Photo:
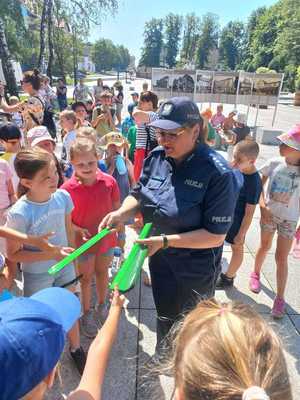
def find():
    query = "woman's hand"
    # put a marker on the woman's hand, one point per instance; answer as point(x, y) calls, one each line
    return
point(112, 220)
point(153, 243)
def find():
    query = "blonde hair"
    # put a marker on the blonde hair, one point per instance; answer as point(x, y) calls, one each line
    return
point(222, 350)
point(82, 145)
point(87, 132)
point(69, 114)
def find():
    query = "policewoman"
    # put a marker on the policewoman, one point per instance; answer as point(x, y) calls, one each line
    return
point(188, 192)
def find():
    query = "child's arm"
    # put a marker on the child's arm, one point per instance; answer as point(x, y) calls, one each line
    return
point(11, 192)
point(90, 386)
point(41, 242)
point(264, 210)
point(130, 170)
point(70, 230)
point(246, 222)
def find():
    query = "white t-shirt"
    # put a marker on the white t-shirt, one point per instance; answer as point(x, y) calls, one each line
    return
point(283, 191)
point(69, 139)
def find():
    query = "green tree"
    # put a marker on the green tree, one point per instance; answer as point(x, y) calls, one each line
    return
point(104, 54)
point(232, 44)
point(190, 38)
point(153, 43)
point(173, 26)
point(208, 38)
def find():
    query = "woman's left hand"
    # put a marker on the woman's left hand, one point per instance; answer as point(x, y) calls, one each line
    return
point(153, 243)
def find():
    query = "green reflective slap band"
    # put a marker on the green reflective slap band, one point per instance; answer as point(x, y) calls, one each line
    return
point(130, 270)
point(76, 253)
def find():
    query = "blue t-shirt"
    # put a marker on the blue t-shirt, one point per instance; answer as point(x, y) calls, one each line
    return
point(40, 218)
point(249, 194)
point(201, 192)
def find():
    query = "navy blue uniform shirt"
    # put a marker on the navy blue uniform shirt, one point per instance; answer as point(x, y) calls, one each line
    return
point(200, 192)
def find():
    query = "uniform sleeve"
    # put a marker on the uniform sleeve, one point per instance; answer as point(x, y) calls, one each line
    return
point(69, 205)
point(219, 202)
point(142, 180)
point(253, 191)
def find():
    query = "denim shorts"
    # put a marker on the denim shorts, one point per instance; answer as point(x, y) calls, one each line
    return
point(35, 282)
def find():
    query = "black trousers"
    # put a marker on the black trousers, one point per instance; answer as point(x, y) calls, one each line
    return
point(179, 281)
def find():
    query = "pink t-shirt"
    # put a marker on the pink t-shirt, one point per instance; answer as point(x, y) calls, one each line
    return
point(217, 119)
point(5, 175)
point(91, 205)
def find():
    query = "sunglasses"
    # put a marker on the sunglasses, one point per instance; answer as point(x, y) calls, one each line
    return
point(167, 135)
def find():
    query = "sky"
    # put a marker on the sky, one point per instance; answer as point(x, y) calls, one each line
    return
point(127, 26)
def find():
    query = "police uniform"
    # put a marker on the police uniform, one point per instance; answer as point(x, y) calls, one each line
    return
point(199, 193)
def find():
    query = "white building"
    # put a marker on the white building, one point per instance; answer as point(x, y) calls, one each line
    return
point(85, 63)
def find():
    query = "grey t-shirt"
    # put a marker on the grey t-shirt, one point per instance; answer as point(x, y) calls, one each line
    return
point(40, 218)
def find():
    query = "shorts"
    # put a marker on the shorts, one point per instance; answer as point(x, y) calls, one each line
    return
point(284, 228)
point(85, 257)
point(35, 282)
point(234, 229)
point(119, 108)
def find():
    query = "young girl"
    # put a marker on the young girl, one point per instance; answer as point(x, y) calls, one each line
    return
point(94, 195)
point(41, 209)
point(68, 121)
point(228, 352)
point(113, 144)
point(280, 211)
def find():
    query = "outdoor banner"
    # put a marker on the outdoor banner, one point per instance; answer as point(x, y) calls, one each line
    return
point(204, 84)
point(183, 83)
point(227, 87)
point(161, 82)
point(224, 88)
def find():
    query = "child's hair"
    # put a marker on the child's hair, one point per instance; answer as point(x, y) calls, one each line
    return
point(9, 131)
point(223, 350)
point(86, 132)
point(78, 104)
point(13, 100)
point(82, 145)
point(150, 96)
point(34, 78)
point(248, 148)
point(69, 114)
point(28, 163)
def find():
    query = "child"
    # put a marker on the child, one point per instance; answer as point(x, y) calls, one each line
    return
point(228, 352)
point(22, 319)
point(10, 139)
point(68, 121)
point(128, 121)
point(41, 209)
point(113, 144)
point(39, 136)
point(102, 119)
point(280, 212)
point(80, 110)
point(16, 117)
point(244, 157)
point(94, 195)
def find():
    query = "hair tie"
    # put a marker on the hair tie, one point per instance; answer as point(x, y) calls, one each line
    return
point(255, 393)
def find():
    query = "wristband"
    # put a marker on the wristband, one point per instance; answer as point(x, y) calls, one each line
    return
point(165, 241)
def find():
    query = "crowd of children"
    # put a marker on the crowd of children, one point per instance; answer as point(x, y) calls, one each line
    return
point(51, 205)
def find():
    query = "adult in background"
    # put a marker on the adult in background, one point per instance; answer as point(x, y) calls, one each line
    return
point(144, 114)
point(32, 109)
point(61, 93)
point(218, 118)
point(188, 191)
point(119, 103)
point(229, 122)
point(48, 96)
point(98, 89)
point(82, 92)
point(135, 99)
point(240, 132)
point(211, 133)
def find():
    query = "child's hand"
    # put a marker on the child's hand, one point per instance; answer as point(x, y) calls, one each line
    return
point(41, 242)
point(116, 299)
point(61, 252)
point(84, 233)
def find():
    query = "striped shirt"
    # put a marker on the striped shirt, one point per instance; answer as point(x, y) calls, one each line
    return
point(141, 134)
